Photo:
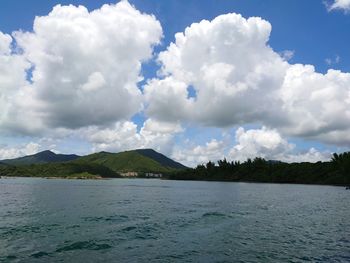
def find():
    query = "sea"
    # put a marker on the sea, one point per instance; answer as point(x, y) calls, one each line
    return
point(152, 220)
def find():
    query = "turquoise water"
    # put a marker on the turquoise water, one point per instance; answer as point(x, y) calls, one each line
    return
point(137, 220)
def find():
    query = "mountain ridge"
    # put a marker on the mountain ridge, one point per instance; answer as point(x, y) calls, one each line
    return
point(140, 160)
point(42, 157)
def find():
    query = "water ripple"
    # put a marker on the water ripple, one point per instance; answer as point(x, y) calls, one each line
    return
point(80, 245)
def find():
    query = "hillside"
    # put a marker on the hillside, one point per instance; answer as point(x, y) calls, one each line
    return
point(160, 158)
point(334, 172)
point(136, 161)
point(64, 170)
point(103, 164)
point(40, 158)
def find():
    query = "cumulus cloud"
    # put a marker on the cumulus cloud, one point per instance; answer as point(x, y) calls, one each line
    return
point(265, 143)
point(12, 76)
point(339, 5)
point(7, 152)
point(270, 145)
point(125, 136)
point(191, 156)
point(316, 104)
point(228, 63)
point(238, 79)
point(85, 66)
point(287, 54)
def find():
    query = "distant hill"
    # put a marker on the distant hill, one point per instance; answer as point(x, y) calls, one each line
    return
point(103, 164)
point(41, 158)
point(146, 160)
point(64, 170)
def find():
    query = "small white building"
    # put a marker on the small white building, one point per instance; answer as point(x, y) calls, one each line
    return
point(129, 174)
point(153, 175)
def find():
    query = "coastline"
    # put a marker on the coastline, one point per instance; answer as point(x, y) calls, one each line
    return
point(167, 179)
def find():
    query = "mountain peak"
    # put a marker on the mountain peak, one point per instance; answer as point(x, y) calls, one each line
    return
point(46, 156)
point(44, 153)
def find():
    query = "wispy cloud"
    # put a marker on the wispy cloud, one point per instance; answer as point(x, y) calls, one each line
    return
point(343, 5)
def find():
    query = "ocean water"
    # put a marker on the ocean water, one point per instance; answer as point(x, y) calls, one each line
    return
point(135, 220)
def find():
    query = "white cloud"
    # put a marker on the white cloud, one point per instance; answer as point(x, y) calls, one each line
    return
point(86, 66)
point(18, 151)
point(228, 63)
point(316, 105)
point(262, 143)
point(239, 79)
point(339, 5)
point(330, 61)
point(191, 156)
point(12, 76)
point(270, 145)
point(125, 136)
point(287, 54)
point(5, 44)
point(265, 143)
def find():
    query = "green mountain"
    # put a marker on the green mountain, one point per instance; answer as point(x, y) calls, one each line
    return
point(64, 170)
point(145, 160)
point(160, 158)
point(102, 164)
point(40, 158)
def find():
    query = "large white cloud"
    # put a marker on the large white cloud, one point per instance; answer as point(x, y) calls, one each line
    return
point(270, 145)
point(340, 5)
point(265, 143)
point(316, 105)
point(85, 66)
point(198, 154)
point(9, 152)
point(228, 63)
point(238, 79)
point(125, 136)
point(12, 76)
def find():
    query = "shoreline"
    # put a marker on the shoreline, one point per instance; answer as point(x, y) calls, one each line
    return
point(165, 179)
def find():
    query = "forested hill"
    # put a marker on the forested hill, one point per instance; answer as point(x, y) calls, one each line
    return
point(335, 172)
point(40, 158)
point(145, 160)
point(102, 164)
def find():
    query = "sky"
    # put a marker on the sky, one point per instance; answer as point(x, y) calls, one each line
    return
point(195, 80)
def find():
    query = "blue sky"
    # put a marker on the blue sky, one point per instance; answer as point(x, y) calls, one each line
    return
point(303, 26)
point(311, 32)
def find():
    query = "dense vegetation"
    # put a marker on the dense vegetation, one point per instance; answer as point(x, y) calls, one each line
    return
point(103, 164)
point(129, 161)
point(41, 157)
point(64, 170)
point(335, 172)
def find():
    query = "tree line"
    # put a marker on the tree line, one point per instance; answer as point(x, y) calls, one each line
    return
point(334, 172)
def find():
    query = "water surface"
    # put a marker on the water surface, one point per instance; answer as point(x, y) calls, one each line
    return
point(135, 220)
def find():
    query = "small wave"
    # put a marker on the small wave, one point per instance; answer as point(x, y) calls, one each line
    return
point(10, 257)
point(140, 232)
point(128, 229)
point(80, 245)
point(13, 231)
point(39, 254)
point(148, 186)
point(113, 218)
point(73, 226)
point(213, 214)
